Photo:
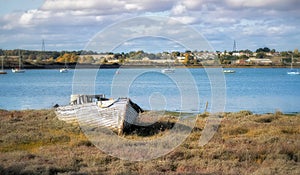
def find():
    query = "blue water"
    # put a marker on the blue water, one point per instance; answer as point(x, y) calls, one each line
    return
point(258, 90)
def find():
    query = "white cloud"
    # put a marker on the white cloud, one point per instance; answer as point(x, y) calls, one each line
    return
point(179, 9)
point(185, 19)
point(193, 4)
point(268, 4)
point(133, 7)
point(107, 6)
point(78, 20)
point(252, 3)
point(26, 18)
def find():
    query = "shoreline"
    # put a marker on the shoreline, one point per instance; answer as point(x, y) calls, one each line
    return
point(116, 65)
point(174, 112)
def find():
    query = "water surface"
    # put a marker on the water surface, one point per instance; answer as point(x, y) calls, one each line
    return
point(260, 90)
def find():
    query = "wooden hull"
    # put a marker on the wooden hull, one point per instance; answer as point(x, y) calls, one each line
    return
point(117, 117)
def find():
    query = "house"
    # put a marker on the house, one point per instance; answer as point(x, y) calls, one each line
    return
point(265, 61)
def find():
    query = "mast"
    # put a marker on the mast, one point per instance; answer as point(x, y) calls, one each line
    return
point(19, 60)
point(43, 49)
point(292, 61)
point(2, 64)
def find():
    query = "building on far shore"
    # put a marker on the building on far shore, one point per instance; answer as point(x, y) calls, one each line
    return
point(264, 61)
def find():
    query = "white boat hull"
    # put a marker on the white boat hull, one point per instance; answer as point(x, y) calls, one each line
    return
point(168, 71)
point(229, 71)
point(18, 70)
point(293, 73)
point(117, 116)
point(64, 70)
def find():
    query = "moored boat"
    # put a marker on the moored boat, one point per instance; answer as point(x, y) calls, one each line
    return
point(18, 69)
point(292, 71)
point(168, 70)
point(229, 71)
point(63, 70)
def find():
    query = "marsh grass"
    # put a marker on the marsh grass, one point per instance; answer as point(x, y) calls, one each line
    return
point(36, 142)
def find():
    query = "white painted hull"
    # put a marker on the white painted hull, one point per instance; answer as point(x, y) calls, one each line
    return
point(168, 71)
point(18, 70)
point(229, 71)
point(293, 73)
point(64, 70)
point(117, 116)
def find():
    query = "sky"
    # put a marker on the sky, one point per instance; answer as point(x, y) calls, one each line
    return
point(75, 24)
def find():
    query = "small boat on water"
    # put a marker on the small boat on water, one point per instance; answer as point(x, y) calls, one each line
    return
point(18, 69)
point(293, 71)
point(168, 70)
point(229, 71)
point(65, 69)
point(115, 114)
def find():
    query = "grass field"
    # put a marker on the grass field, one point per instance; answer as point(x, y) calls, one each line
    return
point(36, 142)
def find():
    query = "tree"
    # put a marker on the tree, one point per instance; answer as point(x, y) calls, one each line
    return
point(296, 53)
point(68, 57)
point(273, 51)
point(175, 54)
point(265, 49)
point(104, 61)
point(89, 59)
point(284, 54)
point(187, 58)
point(260, 55)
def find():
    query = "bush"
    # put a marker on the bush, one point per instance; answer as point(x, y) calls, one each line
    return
point(266, 119)
point(238, 130)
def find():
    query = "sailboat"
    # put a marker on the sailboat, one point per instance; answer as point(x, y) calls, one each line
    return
point(229, 71)
point(168, 70)
point(18, 69)
point(65, 69)
point(2, 70)
point(292, 71)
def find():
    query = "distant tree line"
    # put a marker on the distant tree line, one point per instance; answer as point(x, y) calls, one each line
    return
point(48, 57)
point(53, 54)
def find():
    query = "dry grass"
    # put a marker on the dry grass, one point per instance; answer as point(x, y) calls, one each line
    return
point(35, 142)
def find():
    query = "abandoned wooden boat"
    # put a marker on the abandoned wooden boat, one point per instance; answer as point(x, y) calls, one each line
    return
point(97, 111)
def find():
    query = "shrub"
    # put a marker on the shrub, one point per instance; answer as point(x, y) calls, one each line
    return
point(238, 130)
point(266, 118)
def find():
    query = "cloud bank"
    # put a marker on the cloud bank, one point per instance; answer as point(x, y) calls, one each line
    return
point(69, 25)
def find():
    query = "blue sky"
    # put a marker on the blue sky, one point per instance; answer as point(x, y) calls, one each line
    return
point(71, 25)
point(11, 6)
